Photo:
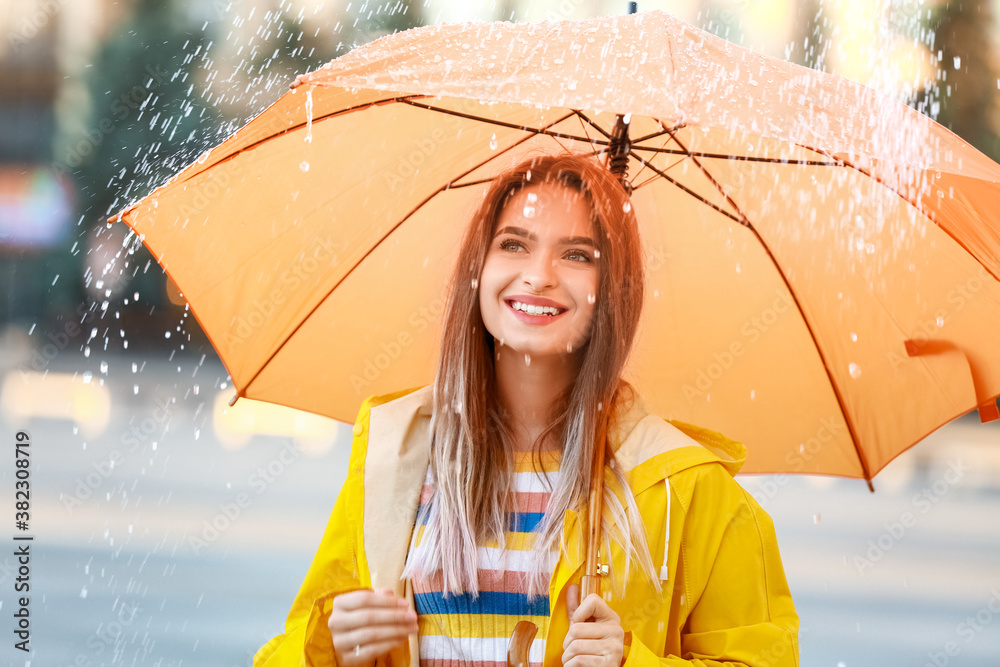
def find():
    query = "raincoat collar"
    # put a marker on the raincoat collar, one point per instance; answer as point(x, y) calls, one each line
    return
point(399, 452)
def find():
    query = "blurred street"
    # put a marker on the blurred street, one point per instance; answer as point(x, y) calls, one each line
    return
point(189, 548)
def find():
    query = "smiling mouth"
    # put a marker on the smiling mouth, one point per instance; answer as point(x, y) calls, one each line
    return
point(538, 311)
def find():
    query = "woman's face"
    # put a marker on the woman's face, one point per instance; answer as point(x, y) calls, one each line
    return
point(539, 280)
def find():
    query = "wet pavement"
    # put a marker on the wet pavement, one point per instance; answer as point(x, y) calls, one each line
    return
point(162, 540)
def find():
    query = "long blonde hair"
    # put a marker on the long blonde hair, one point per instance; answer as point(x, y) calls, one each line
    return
point(471, 444)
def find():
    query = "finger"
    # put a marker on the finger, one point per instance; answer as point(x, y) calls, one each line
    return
point(347, 655)
point(593, 630)
point(353, 619)
point(591, 651)
point(373, 635)
point(572, 599)
point(368, 598)
point(594, 607)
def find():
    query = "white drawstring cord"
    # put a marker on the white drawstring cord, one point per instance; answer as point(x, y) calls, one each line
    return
point(666, 534)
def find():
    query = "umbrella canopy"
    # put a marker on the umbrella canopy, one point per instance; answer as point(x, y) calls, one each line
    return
point(823, 260)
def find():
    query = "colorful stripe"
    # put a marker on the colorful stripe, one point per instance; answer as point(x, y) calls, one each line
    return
point(459, 630)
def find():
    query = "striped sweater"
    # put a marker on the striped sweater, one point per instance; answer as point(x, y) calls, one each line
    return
point(457, 630)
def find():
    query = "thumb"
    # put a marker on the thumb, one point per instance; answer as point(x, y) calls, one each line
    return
point(572, 599)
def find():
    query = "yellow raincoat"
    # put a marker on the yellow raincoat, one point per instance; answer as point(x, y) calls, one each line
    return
point(726, 600)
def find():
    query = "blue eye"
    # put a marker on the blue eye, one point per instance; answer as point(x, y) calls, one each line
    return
point(510, 244)
point(578, 256)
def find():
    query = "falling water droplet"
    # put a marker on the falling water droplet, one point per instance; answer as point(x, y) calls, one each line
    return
point(940, 321)
point(597, 254)
point(528, 212)
point(739, 268)
point(493, 142)
point(627, 207)
point(753, 394)
point(304, 166)
point(309, 116)
point(532, 197)
point(104, 368)
point(854, 369)
point(591, 298)
point(569, 346)
point(600, 405)
point(854, 337)
point(527, 360)
point(816, 518)
point(475, 283)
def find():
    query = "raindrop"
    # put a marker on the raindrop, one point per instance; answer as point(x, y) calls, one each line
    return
point(753, 394)
point(86, 351)
point(528, 212)
point(104, 368)
point(87, 375)
point(940, 321)
point(656, 294)
point(855, 370)
point(135, 389)
point(597, 254)
point(493, 142)
point(166, 334)
point(600, 405)
point(527, 360)
point(304, 166)
point(739, 269)
point(532, 197)
point(591, 298)
point(958, 62)
point(854, 337)
point(83, 593)
point(817, 518)
point(475, 283)
point(569, 346)
point(627, 206)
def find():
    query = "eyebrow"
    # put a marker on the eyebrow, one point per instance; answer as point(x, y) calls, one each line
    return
point(566, 240)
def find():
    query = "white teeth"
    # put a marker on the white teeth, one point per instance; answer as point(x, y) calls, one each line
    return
point(534, 310)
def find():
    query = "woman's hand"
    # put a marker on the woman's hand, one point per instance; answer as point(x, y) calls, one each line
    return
point(595, 637)
point(367, 624)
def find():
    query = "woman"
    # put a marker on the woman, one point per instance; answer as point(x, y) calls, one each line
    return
point(443, 537)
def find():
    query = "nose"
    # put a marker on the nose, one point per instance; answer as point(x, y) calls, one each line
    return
point(540, 272)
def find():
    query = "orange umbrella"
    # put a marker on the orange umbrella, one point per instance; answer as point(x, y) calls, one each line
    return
point(823, 260)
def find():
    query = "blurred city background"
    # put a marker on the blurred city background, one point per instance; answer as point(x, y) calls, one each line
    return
point(172, 530)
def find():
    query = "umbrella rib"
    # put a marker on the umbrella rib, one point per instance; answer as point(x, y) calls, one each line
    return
point(512, 126)
point(929, 214)
point(242, 391)
point(777, 267)
point(681, 186)
point(742, 158)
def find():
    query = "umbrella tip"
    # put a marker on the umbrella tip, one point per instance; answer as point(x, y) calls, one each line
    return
point(234, 399)
point(870, 487)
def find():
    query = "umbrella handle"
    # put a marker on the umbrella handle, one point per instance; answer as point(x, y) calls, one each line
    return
point(520, 642)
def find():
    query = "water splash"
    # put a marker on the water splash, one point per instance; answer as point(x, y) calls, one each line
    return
point(309, 116)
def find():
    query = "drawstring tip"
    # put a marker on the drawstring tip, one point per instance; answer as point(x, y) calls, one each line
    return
point(663, 573)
